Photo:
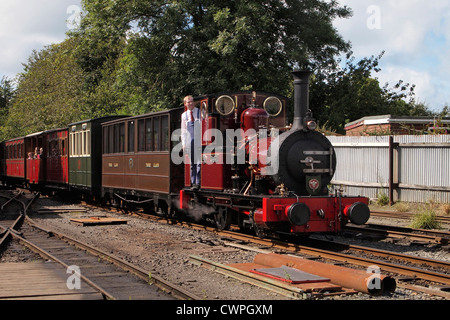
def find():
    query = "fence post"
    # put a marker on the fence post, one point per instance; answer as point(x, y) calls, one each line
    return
point(393, 169)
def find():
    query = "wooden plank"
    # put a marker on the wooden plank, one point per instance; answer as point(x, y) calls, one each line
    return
point(92, 221)
point(84, 296)
point(40, 280)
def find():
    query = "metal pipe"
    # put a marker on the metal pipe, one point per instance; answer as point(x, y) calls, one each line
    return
point(368, 282)
point(301, 98)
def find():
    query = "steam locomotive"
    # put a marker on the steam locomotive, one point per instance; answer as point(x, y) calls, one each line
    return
point(256, 172)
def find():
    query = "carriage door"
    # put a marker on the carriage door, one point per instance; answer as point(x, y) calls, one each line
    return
point(130, 160)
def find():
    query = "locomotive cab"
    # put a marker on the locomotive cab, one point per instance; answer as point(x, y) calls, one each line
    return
point(228, 122)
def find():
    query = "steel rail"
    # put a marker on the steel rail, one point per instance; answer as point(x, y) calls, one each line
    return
point(13, 232)
point(175, 290)
point(46, 254)
point(314, 251)
point(404, 215)
point(158, 281)
point(440, 237)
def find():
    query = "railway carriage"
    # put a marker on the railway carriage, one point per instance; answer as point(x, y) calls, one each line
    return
point(85, 156)
point(35, 165)
point(14, 161)
point(136, 160)
point(55, 157)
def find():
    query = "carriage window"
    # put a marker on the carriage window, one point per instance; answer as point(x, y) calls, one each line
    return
point(165, 133)
point(122, 137)
point(131, 136)
point(71, 143)
point(105, 140)
point(111, 139)
point(78, 138)
point(83, 143)
point(88, 143)
point(63, 147)
point(148, 134)
point(156, 134)
point(116, 142)
point(141, 135)
point(52, 150)
point(119, 142)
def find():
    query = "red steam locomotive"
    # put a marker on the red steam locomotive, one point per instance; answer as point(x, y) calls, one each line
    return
point(256, 172)
point(282, 184)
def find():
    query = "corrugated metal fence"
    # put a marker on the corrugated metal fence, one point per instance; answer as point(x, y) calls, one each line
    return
point(406, 168)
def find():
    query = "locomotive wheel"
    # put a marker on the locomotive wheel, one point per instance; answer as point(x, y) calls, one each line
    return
point(222, 218)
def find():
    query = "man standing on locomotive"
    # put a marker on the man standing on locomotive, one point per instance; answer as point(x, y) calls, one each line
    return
point(191, 138)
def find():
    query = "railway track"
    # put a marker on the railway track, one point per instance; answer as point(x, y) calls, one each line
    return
point(429, 273)
point(112, 277)
point(404, 215)
point(435, 274)
point(375, 231)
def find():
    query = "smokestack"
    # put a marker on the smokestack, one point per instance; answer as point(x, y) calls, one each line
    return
point(301, 98)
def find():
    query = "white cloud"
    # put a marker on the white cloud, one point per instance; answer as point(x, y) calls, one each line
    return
point(422, 80)
point(415, 36)
point(27, 25)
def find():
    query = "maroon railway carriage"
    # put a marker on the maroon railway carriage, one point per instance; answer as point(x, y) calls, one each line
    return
point(37, 160)
point(46, 159)
point(56, 158)
point(14, 161)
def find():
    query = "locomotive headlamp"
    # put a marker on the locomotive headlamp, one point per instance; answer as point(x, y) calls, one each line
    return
point(312, 125)
point(298, 213)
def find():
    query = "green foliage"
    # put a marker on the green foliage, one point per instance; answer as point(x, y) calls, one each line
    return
point(167, 49)
point(7, 93)
point(340, 95)
point(425, 219)
point(382, 198)
point(47, 92)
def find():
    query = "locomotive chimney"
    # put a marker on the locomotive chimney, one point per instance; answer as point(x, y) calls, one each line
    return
point(301, 98)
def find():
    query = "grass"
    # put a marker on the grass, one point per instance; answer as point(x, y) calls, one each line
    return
point(425, 218)
point(402, 207)
point(445, 208)
point(382, 198)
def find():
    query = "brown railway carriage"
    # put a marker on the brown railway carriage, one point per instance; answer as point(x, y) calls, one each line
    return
point(136, 159)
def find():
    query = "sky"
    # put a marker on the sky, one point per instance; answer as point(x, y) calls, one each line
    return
point(415, 35)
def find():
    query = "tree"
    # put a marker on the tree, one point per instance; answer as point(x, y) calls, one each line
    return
point(48, 92)
point(6, 92)
point(340, 95)
point(172, 48)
